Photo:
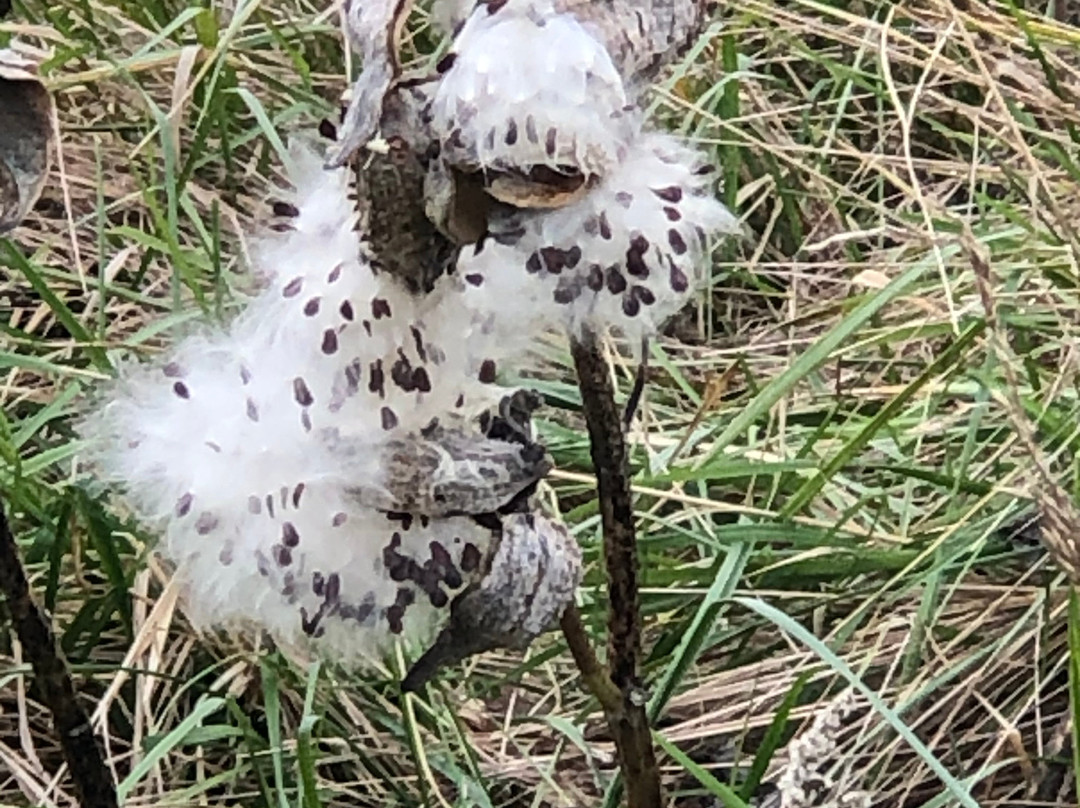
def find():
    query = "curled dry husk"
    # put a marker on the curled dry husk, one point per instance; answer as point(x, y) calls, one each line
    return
point(26, 146)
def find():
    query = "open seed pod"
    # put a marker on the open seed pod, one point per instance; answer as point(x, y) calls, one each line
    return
point(26, 147)
point(519, 592)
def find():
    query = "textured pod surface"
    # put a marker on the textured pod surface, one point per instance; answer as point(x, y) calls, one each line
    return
point(525, 584)
point(374, 28)
point(26, 146)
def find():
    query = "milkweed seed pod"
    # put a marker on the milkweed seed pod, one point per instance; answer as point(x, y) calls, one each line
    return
point(318, 467)
point(26, 145)
point(641, 37)
point(525, 90)
point(596, 222)
point(629, 254)
point(520, 591)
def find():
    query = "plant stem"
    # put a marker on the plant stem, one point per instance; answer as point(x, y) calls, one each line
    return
point(627, 720)
point(93, 785)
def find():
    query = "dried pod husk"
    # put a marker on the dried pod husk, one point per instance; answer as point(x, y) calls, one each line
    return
point(527, 581)
point(26, 146)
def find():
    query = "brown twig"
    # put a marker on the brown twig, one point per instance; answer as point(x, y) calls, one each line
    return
point(93, 785)
point(628, 720)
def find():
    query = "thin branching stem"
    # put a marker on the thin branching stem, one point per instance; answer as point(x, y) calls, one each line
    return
point(629, 723)
point(94, 787)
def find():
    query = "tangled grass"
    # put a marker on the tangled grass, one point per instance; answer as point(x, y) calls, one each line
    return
point(846, 460)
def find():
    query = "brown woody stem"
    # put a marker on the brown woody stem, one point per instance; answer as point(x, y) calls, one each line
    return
point(93, 785)
point(627, 719)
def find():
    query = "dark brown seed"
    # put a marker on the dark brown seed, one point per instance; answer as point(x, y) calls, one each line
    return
point(335, 273)
point(630, 306)
point(305, 420)
point(533, 264)
point(550, 142)
point(394, 615)
point(673, 193)
point(173, 371)
point(624, 198)
point(487, 371)
point(573, 256)
point(530, 129)
point(346, 310)
point(270, 505)
point(205, 523)
point(225, 557)
point(676, 241)
point(605, 227)
point(418, 342)
point(245, 375)
point(183, 505)
point(254, 505)
point(181, 390)
point(333, 588)
point(567, 294)
point(635, 258)
point(420, 381)
point(327, 129)
point(474, 278)
point(511, 133)
point(252, 410)
point(377, 378)
point(596, 277)
point(401, 373)
point(470, 557)
point(555, 259)
point(311, 308)
point(329, 342)
point(297, 493)
point(285, 209)
point(318, 584)
point(616, 283)
point(591, 226)
point(293, 287)
point(339, 519)
point(495, 5)
point(489, 140)
point(445, 63)
point(679, 283)
point(282, 555)
point(380, 308)
point(672, 214)
point(389, 419)
point(644, 294)
point(301, 393)
point(367, 327)
point(289, 535)
point(263, 563)
point(460, 401)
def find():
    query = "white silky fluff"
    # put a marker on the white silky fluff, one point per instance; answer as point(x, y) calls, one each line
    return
point(225, 444)
point(629, 254)
point(530, 87)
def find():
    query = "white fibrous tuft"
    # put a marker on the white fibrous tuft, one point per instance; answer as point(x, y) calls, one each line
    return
point(629, 254)
point(529, 87)
point(230, 445)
